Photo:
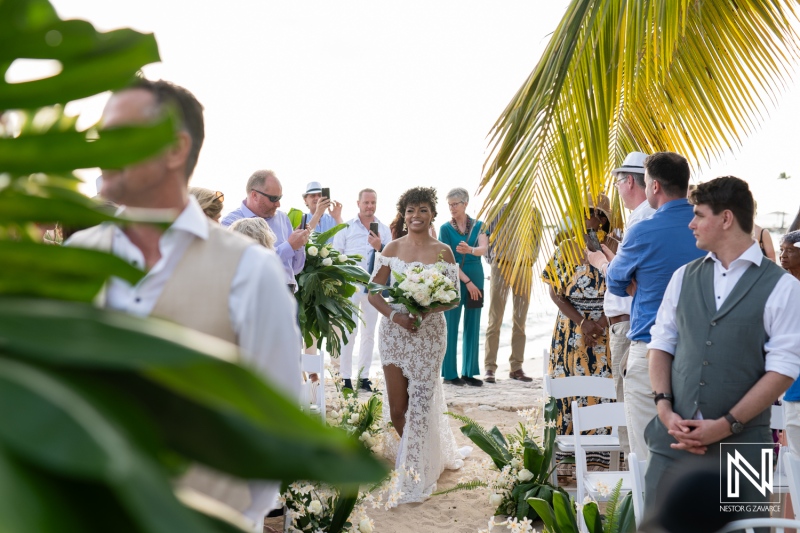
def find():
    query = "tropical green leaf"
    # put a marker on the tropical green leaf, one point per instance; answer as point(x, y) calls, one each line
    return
point(344, 506)
point(483, 440)
point(545, 512)
point(564, 510)
point(322, 238)
point(591, 515)
point(114, 148)
point(626, 521)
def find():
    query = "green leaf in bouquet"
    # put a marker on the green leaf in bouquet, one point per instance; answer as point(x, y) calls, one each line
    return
point(564, 510)
point(295, 218)
point(626, 521)
point(546, 513)
point(321, 238)
point(498, 436)
point(533, 459)
point(591, 515)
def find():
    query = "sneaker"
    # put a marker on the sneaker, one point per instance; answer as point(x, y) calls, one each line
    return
point(474, 382)
point(458, 382)
point(348, 384)
point(366, 385)
point(489, 377)
point(519, 375)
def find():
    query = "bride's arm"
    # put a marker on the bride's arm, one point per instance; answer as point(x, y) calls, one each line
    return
point(379, 302)
point(447, 256)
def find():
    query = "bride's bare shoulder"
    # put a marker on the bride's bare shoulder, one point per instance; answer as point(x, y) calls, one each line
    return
point(391, 249)
point(444, 253)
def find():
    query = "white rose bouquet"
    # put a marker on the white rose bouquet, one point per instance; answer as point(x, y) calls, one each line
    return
point(422, 289)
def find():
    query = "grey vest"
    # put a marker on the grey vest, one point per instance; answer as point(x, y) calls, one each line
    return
point(720, 354)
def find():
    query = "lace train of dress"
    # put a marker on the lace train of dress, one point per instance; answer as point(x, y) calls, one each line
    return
point(428, 445)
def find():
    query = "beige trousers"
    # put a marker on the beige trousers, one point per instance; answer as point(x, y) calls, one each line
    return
point(639, 406)
point(497, 306)
point(792, 412)
point(619, 344)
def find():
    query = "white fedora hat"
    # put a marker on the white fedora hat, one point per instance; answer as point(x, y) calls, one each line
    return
point(634, 163)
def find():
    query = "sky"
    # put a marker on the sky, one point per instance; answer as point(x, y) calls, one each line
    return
point(386, 95)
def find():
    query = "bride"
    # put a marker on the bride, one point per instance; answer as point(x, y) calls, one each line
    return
point(412, 357)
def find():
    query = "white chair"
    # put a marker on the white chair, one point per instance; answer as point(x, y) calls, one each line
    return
point(592, 417)
point(581, 386)
point(314, 393)
point(780, 482)
point(749, 525)
point(637, 469)
point(791, 467)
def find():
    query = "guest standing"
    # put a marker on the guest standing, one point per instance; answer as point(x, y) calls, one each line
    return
point(264, 193)
point(358, 239)
point(579, 345)
point(496, 257)
point(210, 201)
point(467, 238)
point(323, 213)
point(790, 261)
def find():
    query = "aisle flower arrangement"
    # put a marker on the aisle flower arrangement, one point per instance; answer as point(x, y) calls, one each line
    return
point(324, 287)
point(313, 507)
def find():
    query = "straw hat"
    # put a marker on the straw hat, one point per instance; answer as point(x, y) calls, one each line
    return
point(603, 204)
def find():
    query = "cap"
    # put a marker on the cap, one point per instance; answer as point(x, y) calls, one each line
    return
point(634, 162)
point(313, 187)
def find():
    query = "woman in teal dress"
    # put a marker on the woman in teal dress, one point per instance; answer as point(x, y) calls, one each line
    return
point(467, 238)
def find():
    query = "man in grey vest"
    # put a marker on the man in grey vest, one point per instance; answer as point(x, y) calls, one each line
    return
point(724, 347)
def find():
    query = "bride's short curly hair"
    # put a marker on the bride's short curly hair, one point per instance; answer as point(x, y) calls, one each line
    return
point(416, 196)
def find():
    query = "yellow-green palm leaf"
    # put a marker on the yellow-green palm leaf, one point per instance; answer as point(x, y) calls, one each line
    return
point(688, 76)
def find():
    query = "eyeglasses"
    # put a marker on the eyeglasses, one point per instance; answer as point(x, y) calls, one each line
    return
point(273, 199)
point(218, 196)
point(617, 182)
point(453, 206)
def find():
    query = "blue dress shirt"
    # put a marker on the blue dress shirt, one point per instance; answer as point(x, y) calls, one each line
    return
point(650, 253)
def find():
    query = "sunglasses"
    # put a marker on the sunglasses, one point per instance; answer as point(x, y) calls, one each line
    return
point(218, 196)
point(271, 198)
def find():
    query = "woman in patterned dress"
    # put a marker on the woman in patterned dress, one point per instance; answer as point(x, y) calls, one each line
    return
point(579, 346)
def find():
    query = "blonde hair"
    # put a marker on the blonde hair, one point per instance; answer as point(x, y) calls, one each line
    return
point(257, 229)
point(210, 201)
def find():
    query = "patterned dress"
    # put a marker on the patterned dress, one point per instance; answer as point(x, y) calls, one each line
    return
point(428, 445)
point(569, 356)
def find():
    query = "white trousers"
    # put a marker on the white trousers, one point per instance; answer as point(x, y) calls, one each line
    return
point(639, 406)
point(619, 344)
point(367, 330)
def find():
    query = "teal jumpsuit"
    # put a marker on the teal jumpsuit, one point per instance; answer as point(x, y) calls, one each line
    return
point(472, 267)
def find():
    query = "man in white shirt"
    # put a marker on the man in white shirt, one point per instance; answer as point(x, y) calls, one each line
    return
point(358, 239)
point(629, 181)
point(198, 275)
point(724, 347)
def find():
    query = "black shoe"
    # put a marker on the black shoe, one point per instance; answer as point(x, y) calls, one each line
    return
point(458, 382)
point(366, 385)
point(348, 384)
point(475, 382)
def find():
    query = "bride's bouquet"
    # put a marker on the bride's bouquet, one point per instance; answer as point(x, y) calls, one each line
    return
point(422, 289)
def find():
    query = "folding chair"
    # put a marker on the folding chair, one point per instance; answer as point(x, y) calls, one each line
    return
point(637, 469)
point(592, 417)
point(749, 525)
point(780, 482)
point(791, 467)
point(314, 392)
point(581, 386)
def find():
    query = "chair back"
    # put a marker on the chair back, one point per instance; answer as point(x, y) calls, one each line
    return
point(791, 466)
point(638, 469)
point(749, 525)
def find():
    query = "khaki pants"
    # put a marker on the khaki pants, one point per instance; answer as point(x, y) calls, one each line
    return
point(792, 412)
point(619, 344)
point(639, 406)
point(497, 306)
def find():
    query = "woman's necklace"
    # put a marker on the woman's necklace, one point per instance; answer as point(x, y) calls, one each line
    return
point(455, 226)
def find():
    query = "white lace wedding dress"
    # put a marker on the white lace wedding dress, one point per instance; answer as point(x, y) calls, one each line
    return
point(427, 446)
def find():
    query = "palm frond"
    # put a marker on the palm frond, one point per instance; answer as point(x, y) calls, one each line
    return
point(611, 508)
point(471, 485)
point(620, 76)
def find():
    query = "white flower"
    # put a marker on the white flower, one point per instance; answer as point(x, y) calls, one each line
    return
point(524, 475)
point(495, 499)
point(312, 251)
point(326, 262)
point(315, 507)
point(516, 463)
point(342, 258)
point(353, 419)
point(603, 489)
point(324, 252)
point(365, 526)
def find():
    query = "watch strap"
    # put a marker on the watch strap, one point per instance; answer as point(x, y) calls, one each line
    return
point(663, 396)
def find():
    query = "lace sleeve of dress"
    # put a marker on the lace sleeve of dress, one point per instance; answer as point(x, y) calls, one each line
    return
point(380, 261)
point(451, 271)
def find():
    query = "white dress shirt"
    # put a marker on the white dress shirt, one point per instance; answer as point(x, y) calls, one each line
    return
point(262, 312)
point(353, 239)
point(614, 305)
point(780, 312)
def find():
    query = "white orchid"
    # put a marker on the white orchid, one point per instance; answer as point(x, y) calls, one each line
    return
point(312, 251)
point(327, 262)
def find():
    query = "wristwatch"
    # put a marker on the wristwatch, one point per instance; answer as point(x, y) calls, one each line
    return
point(736, 426)
point(663, 396)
